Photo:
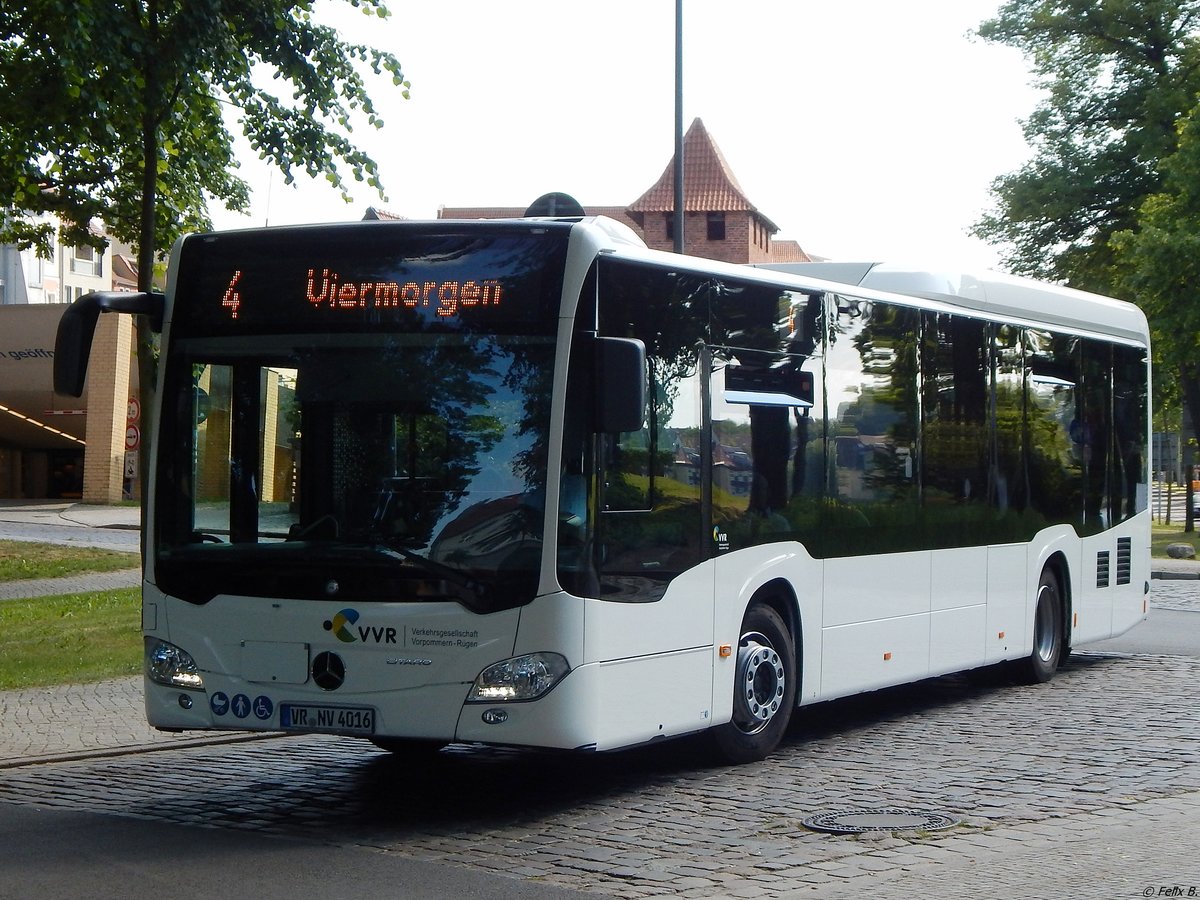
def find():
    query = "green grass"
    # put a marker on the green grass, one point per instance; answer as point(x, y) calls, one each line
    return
point(21, 559)
point(1161, 535)
point(70, 639)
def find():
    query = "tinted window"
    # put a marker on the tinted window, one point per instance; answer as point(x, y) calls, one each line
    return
point(650, 527)
point(958, 489)
point(850, 425)
point(872, 402)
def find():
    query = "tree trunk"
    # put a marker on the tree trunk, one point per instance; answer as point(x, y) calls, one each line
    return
point(146, 344)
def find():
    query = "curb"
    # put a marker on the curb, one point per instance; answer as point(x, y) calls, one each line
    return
point(134, 749)
point(1175, 576)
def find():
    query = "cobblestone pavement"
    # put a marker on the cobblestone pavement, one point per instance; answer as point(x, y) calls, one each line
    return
point(77, 721)
point(1175, 594)
point(1087, 786)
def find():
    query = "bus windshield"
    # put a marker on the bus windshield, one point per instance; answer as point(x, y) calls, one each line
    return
point(399, 455)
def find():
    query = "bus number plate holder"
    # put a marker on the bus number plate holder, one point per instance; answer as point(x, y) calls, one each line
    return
point(327, 719)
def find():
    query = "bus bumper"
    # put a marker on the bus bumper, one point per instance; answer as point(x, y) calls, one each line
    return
point(604, 706)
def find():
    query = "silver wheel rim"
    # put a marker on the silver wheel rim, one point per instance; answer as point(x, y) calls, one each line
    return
point(760, 683)
point(1046, 631)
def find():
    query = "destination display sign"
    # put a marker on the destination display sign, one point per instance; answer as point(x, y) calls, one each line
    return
point(333, 292)
point(366, 277)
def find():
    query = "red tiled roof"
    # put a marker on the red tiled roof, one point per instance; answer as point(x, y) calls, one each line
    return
point(126, 263)
point(788, 251)
point(480, 212)
point(374, 212)
point(708, 182)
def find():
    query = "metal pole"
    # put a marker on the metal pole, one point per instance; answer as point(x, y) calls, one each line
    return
point(679, 126)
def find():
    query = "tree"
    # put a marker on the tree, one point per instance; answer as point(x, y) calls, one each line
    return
point(1159, 263)
point(1117, 75)
point(117, 114)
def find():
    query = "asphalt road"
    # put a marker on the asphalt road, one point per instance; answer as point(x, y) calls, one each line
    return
point(48, 854)
point(1166, 631)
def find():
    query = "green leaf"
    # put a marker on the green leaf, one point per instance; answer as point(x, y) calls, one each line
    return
point(84, 109)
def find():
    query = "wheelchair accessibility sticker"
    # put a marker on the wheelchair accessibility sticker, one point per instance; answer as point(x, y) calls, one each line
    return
point(241, 706)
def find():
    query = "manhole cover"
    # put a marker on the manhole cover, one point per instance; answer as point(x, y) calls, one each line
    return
point(859, 821)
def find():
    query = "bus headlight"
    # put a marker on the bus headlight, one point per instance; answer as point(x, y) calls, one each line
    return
point(520, 678)
point(169, 665)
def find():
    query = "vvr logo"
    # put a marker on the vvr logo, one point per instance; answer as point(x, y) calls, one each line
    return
point(346, 629)
point(340, 625)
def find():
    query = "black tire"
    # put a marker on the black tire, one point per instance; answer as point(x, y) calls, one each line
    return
point(764, 694)
point(1041, 664)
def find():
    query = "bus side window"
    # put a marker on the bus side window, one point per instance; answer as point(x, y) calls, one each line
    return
point(651, 527)
point(872, 383)
point(628, 471)
point(650, 524)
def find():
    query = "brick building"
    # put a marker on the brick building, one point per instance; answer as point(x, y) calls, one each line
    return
point(720, 222)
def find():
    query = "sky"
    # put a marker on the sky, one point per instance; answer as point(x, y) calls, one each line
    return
point(865, 130)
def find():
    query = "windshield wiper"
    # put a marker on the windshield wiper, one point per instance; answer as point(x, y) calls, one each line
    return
point(455, 576)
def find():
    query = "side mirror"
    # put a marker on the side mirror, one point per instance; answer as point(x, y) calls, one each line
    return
point(77, 327)
point(620, 384)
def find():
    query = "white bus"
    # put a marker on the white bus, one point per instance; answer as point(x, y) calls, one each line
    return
point(529, 483)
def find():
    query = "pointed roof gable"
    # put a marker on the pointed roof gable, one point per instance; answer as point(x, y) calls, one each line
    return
point(708, 182)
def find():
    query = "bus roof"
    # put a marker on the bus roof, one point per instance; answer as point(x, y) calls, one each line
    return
point(992, 295)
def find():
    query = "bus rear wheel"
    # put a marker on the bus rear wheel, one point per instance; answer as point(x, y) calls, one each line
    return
point(764, 688)
point(1041, 664)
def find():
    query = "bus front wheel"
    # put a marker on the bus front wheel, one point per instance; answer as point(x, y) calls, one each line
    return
point(764, 688)
point(1040, 666)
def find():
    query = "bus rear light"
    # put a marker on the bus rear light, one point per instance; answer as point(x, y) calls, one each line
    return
point(168, 665)
point(521, 678)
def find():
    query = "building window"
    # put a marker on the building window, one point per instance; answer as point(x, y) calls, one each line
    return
point(670, 219)
point(716, 226)
point(86, 261)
